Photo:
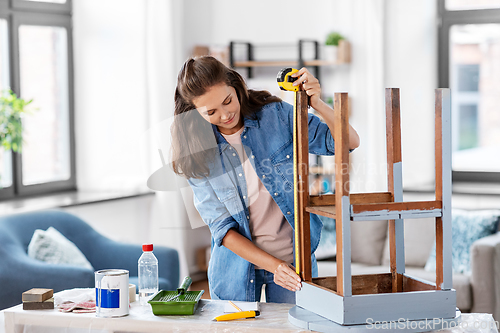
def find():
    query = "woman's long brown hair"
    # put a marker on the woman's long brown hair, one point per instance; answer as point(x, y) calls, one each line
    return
point(193, 140)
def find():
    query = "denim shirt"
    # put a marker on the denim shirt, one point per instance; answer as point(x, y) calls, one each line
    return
point(222, 201)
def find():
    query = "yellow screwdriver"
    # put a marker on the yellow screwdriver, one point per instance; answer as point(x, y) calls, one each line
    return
point(237, 315)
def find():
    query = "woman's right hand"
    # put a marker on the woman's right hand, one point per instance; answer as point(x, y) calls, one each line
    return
point(285, 276)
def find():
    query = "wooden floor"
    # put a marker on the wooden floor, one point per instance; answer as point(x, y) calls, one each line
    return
point(201, 285)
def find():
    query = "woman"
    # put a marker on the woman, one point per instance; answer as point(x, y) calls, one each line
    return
point(235, 147)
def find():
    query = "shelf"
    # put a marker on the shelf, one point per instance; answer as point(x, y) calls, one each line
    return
point(394, 207)
point(321, 63)
point(287, 63)
point(328, 211)
point(382, 210)
point(343, 57)
point(283, 63)
point(354, 198)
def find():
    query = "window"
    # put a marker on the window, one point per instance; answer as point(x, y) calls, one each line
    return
point(53, 1)
point(471, 4)
point(36, 63)
point(5, 156)
point(45, 80)
point(469, 64)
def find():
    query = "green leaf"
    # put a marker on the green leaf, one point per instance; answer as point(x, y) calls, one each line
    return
point(333, 38)
point(12, 108)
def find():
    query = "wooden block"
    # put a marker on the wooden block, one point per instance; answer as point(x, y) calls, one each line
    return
point(48, 304)
point(37, 295)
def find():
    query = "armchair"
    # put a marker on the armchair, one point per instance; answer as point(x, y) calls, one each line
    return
point(19, 273)
point(485, 277)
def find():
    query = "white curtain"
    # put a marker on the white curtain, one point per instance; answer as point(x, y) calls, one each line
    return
point(127, 54)
point(393, 46)
point(111, 102)
point(366, 92)
point(174, 221)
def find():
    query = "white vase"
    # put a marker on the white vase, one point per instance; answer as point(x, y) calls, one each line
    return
point(329, 53)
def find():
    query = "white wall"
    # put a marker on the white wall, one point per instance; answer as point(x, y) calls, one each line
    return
point(123, 220)
point(219, 21)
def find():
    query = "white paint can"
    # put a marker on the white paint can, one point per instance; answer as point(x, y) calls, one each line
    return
point(111, 288)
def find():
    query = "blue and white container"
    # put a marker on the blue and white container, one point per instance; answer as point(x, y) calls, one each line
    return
point(111, 288)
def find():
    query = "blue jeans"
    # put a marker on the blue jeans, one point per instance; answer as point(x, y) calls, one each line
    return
point(274, 292)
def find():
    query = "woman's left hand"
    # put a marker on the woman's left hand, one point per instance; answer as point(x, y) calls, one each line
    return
point(285, 276)
point(311, 85)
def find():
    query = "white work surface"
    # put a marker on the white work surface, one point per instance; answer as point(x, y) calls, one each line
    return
point(273, 318)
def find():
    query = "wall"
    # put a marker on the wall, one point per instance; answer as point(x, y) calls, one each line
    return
point(123, 220)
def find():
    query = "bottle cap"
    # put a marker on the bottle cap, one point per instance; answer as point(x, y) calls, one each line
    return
point(147, 247)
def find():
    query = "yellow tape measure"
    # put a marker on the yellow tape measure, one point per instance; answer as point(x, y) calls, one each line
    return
point(285, 82)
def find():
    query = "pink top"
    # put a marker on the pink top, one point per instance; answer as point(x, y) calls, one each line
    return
point(270, 230)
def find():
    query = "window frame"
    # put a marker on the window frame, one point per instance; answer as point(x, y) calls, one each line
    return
point(48, 7)
point(21, 12)
point(6, 193)
point(446, 19)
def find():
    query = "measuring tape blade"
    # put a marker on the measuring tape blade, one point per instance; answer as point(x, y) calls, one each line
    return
point(295, 185)
point(285, 82)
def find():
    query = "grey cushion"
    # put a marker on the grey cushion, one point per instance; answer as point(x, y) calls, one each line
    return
point(52, 247)
point(419, 240)
point(467, 227)
point(367, 241)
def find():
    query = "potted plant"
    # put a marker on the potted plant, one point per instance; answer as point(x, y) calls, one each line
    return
point(331, 46)
point(12, 109)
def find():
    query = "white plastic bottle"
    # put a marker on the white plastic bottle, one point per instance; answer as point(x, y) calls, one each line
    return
point(148, 274)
